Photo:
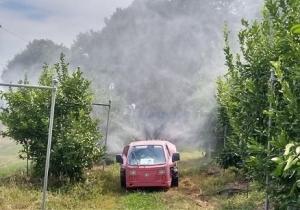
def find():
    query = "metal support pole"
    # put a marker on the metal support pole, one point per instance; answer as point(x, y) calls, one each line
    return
point(267, 202)
point(108, 113)
point(25, 86)
point(225, 135)
point(27, 158)
point(272, 78)
point(106, 134)
point(53, 96)
point(209, 150)
point(107, 123)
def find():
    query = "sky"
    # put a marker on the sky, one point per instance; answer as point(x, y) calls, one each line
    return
point(59, 20)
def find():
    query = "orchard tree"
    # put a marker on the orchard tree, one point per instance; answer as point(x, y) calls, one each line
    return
point(258, 108)
point(75, 144)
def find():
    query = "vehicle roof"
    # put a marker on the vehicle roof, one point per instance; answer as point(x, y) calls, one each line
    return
point(149, 142)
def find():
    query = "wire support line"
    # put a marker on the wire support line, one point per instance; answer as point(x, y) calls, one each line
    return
point(13, 34)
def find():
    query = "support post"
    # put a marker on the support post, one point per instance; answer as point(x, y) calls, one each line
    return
point(225, 135)
point(27, 157)
point(106, 129)
point(106, 134)
point(107, 123)
point(267, 202)
point(53, 97)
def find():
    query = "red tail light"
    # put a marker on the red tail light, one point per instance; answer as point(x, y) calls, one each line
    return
point(132, 172)
point(161, 171)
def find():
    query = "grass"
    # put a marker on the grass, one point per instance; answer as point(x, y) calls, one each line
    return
point(13, 168)
point(9, 160)
point(142, 201)
point(200, 181)
point(241, 201)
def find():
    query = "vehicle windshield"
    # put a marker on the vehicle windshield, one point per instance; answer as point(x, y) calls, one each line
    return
point(146, 155)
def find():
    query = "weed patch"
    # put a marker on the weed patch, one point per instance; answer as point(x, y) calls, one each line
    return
point(143, 201)
point(200, 182)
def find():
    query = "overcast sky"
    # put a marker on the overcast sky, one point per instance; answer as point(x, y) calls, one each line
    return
point(58, 20)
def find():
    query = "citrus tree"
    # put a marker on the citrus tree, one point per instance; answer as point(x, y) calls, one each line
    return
point(75, 134)
point(261, 108)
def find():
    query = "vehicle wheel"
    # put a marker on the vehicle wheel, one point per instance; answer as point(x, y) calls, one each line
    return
point(123, 180)
point(175, 178)
point(174, 182)
point(165, 189)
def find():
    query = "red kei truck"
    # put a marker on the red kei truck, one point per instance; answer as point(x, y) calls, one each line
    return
point(151, 163)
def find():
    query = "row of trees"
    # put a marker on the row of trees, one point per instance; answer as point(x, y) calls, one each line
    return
point(261, 111)
point(75, 133)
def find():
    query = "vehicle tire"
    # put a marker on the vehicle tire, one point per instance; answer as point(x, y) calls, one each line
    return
point(123, 180)
point(165, 189)
point(175, 181)
point(175, 177)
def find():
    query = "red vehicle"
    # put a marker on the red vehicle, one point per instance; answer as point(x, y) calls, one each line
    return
point(149, 163)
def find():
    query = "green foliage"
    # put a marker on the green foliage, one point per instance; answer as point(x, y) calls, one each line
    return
point(287, 174)
point(296, 29)
point(256, 109)
point(229, 158)
point(142, 200)
point(75, 134)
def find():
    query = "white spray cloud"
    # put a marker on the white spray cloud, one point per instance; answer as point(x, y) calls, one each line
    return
point(158, 61)
point(59, 21)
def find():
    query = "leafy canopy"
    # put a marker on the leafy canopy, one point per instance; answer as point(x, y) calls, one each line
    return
point(257, 110)
point(75, 134)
